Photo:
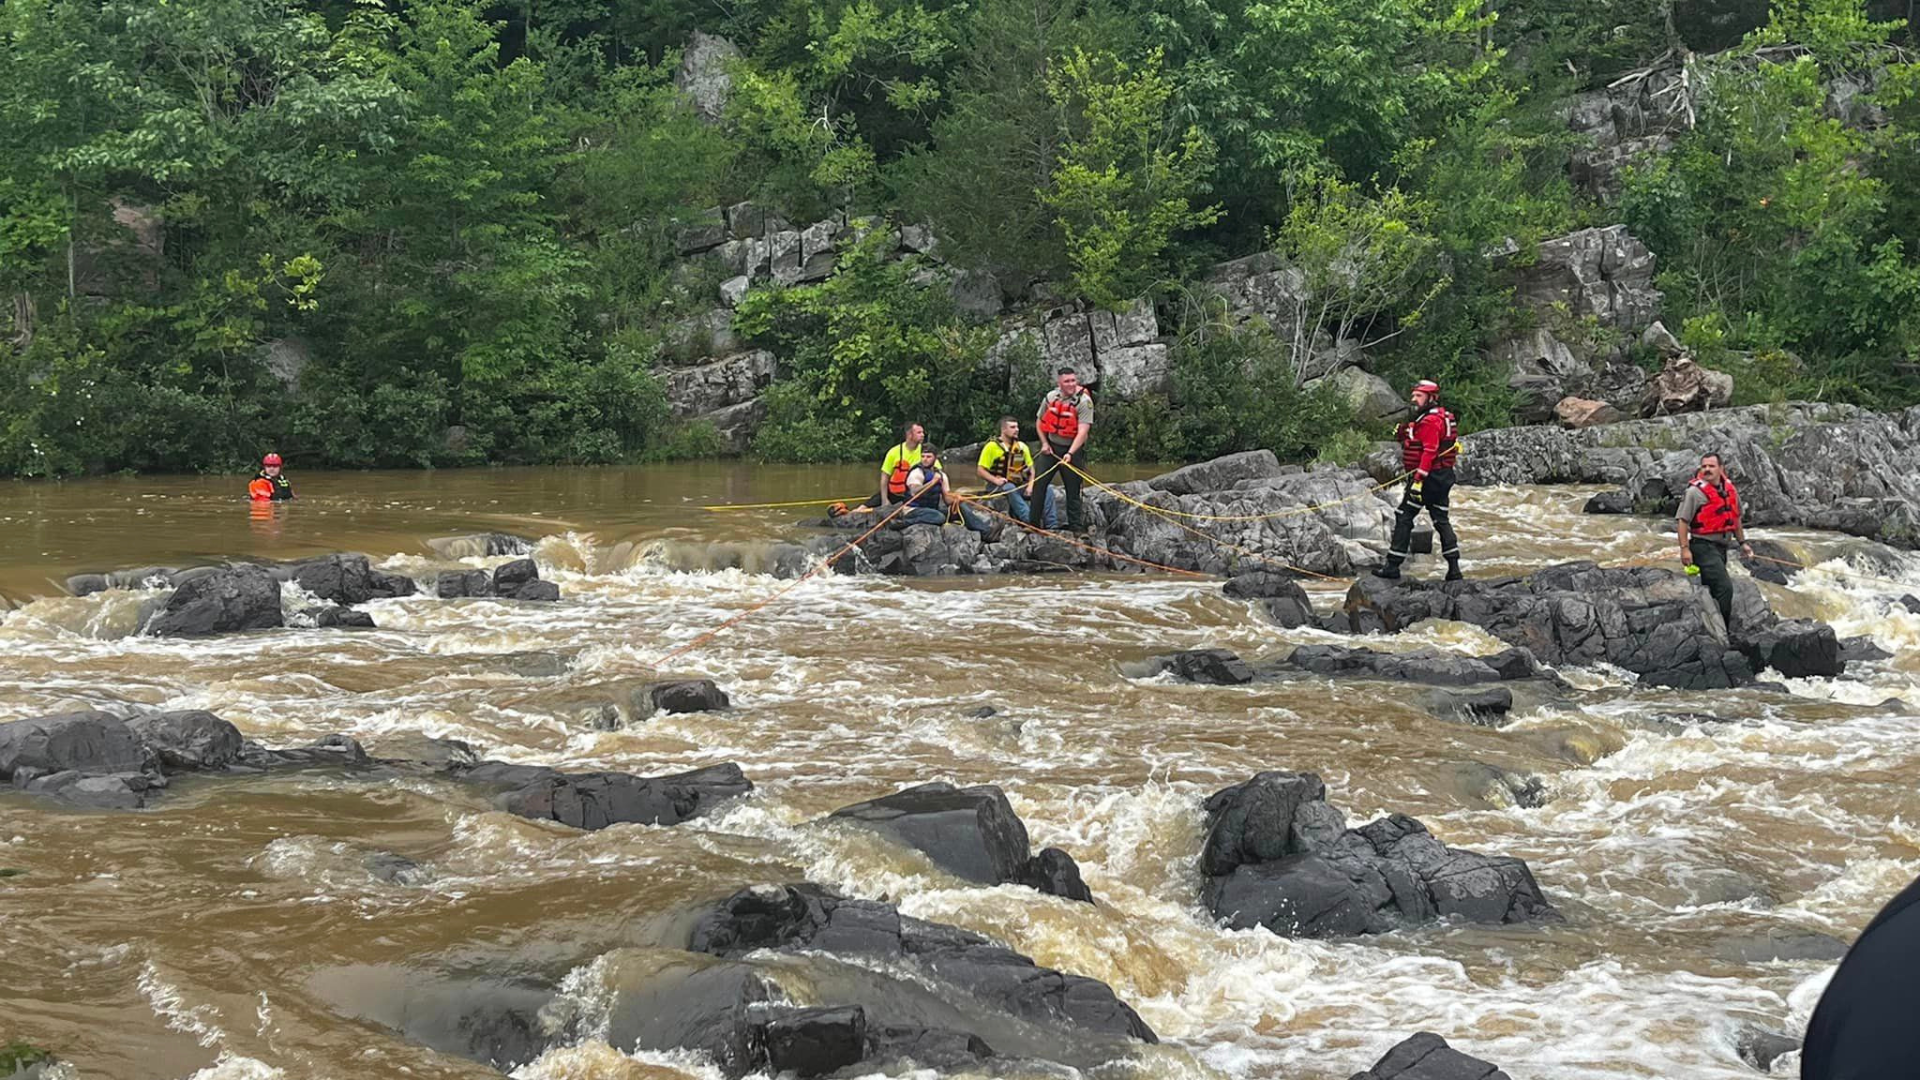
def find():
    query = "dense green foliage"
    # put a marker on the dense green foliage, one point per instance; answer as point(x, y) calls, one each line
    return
point(417, 232)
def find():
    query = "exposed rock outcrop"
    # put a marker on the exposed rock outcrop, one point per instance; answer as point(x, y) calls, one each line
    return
point(1651, 621)
point(1833, 467)
point(1326, 521)
point(1278, 855)
point(971, 832)
point(516, 580)
point(1427, 1056)
point(228, 600)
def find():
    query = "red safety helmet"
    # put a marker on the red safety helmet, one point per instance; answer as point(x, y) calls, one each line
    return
point(1426, 386)
point(270, 459)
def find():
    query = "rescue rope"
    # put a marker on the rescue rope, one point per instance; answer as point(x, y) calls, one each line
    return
point(1292, 511)
point(792, 585)
point(1089, 547)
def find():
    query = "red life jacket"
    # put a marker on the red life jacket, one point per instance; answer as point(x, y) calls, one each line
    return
point(1722, 512)
point(1432, 428)
point(1061, 418)
point(897, 481)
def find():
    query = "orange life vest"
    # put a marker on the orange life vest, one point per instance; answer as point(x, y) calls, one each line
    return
point(1721, 514)
point(261, 490)
point(897, 480)
point(1061, 418)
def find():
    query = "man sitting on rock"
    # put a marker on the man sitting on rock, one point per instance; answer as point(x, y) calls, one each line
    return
point(896, 465)
point(1710, 513)
point(928, 497)
point(1007, 467)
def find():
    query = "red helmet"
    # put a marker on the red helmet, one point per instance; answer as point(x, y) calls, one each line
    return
point(1426, 386)
point(270, 459)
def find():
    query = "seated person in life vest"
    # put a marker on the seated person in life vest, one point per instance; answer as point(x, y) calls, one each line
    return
point(928, 497)
point(270, 484)
point(894, 469)
point(1007, 466)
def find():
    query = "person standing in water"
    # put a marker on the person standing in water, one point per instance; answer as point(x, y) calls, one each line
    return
point(270, 484)
point(1709, 524)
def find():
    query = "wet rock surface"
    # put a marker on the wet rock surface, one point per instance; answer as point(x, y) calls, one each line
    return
point(1278, 855)
point(1648, 620)
point(224, 601)
point(599, 799)
point(970, 832)
point(1427, 1056)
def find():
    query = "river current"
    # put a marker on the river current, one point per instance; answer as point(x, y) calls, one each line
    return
point(234, 931)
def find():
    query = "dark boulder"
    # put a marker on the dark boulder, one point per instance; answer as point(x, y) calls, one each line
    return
point(970, 832)
point(597, 800)
point(682, 696)
point(116, 791)
point(1760, 1048)
point(188, 741)
point(348, 580)
point(814, 1042)
point(1485, 705)
point(329, 751)
point(1772, 561)
point(1280, 595)
point(452, 584)
point(1427, 1056)
point(1911, 603)
point(1214, 667)
point(226, 601)
point(1795, 648)
point(808, 917)
point(510, 576)
point(545, 592)
point(1616, 501)
point(83, 742)
point(1434, 667)
point(1647, 620)
point(1278, 855)
point(340, 618)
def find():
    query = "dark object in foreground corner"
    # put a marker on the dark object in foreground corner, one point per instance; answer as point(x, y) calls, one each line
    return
point(1427, 1056)
point(1863, 1026)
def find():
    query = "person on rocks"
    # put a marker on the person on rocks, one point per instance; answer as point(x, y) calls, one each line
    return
point(1708, 522)
point(895, 466)
point(929, 497)
point(1429, 444)
point(1064, 422)
point(270, 484)
point(1006, 464)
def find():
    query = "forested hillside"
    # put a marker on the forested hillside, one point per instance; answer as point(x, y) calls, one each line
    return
point(434, 232)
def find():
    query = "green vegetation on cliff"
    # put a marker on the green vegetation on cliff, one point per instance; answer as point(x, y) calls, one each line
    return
point(414, 232)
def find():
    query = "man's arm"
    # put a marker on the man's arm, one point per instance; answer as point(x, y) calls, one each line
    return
point(1686, 542)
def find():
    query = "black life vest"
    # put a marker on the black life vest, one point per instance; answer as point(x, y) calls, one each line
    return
point(282, 487)
point(1012, 465)
point(930, 491)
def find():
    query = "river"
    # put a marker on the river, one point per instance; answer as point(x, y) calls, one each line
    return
point(232, 930)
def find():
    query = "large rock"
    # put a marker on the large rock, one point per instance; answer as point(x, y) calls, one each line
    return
point(86, 742)
point(1427, 1056)
point(970, 832)
point(807, 917)
point(348, 580)
point(1822, 466)
point(597, 800)
point(1575, 412)
point(188, 741)
point(225, 601)
point(703, 74)
point(711, 387)
point(679, 696)
point(1280, 594)
point(1371, 397)
point(1600, 277)
point(1651, 621)
point(1795, 648)
point(1434, 667)
point(1214, 667)
point(1278, 855)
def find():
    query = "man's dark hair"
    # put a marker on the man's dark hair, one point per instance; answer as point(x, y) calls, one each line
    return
point(1715, 455)
point(907, 429)
point(929, 448)
point(1005, 420)
point(1066, 371)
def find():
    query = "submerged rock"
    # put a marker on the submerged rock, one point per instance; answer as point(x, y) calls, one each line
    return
point(1427, 1056)
point(683, 696)
point(223, 601)
point(1278, 855)
point(1281, 596)
point(86, 742)
point(1760, 1048)
point(970, 832)
point(597, 800)
point(808, 917)
point(1650, 621)
point(188, 741)
point(1215, 667)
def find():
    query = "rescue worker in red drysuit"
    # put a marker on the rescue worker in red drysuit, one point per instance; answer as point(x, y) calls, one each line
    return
point(1429, 443)
point(1709, 524)
point(270, 484)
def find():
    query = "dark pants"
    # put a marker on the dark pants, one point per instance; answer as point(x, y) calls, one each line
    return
point(1711, 557)
point(1435, 493)
point(1049, 466)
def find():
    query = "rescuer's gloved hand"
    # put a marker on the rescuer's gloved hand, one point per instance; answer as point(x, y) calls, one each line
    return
point(1414, 494)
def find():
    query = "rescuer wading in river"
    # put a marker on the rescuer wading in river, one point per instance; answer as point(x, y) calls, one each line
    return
point(270, 484)
point(1429, 443)
point(1709, 525)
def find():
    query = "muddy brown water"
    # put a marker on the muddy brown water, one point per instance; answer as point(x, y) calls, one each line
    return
point(234, 931)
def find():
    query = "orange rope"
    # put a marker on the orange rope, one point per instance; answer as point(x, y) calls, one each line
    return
point(1089, 547)
point(792, 585)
